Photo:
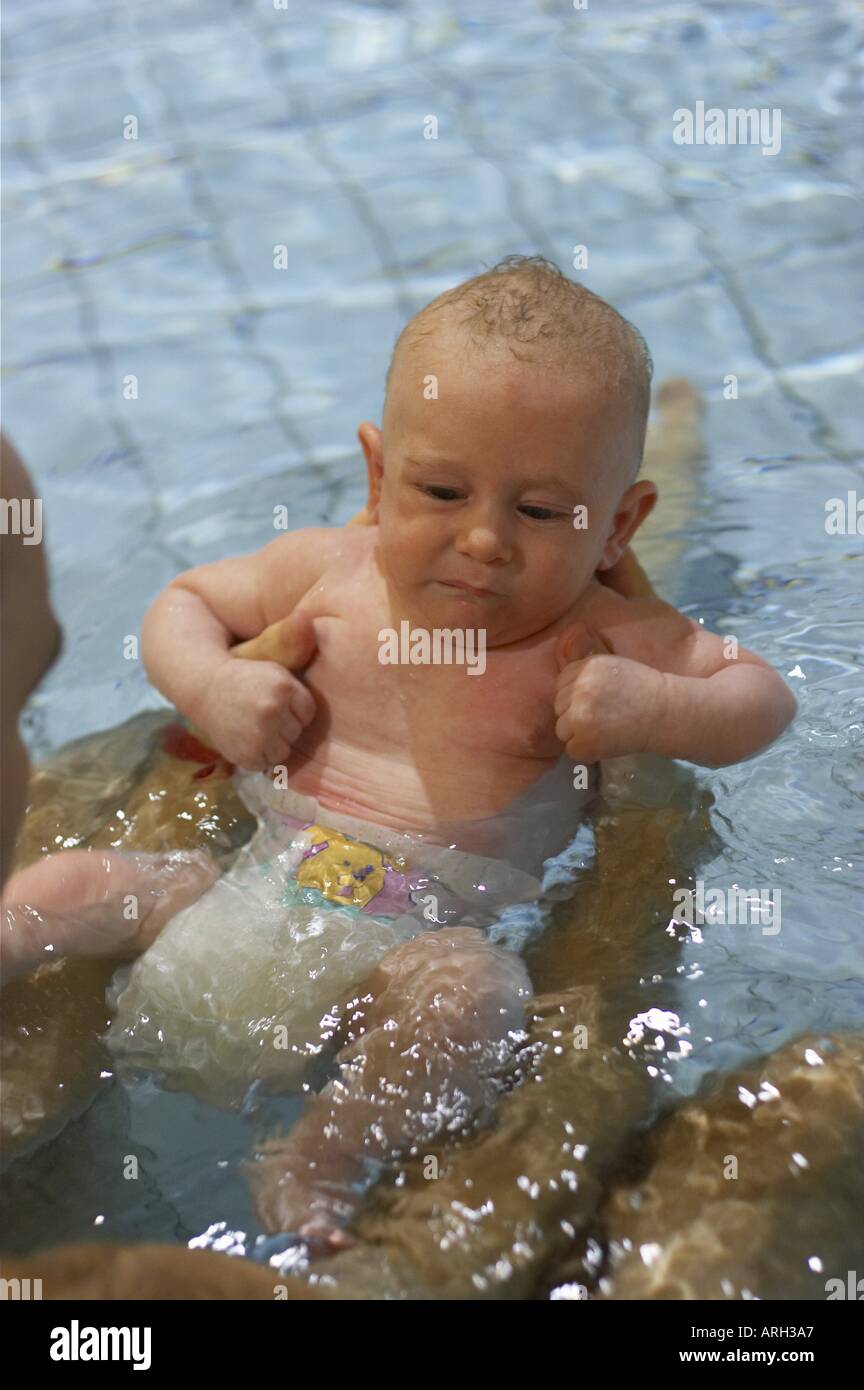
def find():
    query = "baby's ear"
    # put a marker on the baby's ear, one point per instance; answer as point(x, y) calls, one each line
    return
point(635, 505)
point(371, 444)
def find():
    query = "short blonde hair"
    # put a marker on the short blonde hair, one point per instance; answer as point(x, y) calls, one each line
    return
point(529, 305)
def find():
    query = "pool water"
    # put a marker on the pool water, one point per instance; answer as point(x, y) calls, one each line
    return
point(150, 261)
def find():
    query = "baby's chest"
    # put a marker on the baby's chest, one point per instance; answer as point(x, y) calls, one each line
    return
point(434, 687)
point(508, 711)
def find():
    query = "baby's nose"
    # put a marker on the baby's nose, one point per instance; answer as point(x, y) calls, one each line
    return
point(486, 543)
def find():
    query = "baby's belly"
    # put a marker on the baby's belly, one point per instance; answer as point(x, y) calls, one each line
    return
point(516, 809)
point(417, 796)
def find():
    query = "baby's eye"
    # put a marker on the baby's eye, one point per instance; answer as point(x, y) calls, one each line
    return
point(540, 513)
point(444, 494)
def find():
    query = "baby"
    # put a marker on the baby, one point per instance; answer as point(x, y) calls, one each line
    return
point(502, 483)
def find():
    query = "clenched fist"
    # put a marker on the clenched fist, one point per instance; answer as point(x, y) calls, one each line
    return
point(254, 709)
point(606, 704)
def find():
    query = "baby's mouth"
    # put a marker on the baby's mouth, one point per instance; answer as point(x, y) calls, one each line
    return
point(466, 588)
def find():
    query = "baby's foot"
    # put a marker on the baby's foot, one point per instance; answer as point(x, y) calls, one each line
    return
point(323, 1238)
point(315, 1198)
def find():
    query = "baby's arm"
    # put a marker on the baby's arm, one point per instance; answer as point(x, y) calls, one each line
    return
point(252, 714)
point(660, 683)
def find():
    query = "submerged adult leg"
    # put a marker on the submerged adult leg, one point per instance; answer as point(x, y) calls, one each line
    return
point(427, 1039)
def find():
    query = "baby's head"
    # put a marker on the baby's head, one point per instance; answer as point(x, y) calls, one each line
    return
point(513, 400)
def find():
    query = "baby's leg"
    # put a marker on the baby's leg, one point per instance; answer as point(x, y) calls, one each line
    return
point(427, 1037)
point(95, 903)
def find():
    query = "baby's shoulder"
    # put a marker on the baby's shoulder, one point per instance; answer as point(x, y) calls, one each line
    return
point(619, 618)
point(298, 561)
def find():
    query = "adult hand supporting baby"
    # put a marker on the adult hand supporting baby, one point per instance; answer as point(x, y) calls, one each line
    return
point(604, 702)
point(627, 577)
point(290, 642)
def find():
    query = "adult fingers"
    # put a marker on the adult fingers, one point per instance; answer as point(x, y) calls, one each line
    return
point(290, 642)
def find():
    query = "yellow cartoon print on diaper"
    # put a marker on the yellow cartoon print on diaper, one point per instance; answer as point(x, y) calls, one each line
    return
point(341, 868)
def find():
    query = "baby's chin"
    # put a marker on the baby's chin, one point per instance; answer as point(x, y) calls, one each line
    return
point(503, 618)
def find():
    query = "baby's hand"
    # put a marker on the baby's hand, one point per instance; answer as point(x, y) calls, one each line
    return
point(254, 710)
point(605, 704)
